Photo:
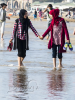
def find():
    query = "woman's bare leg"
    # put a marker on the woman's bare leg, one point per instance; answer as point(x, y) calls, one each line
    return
point(1, 36)
point(22, 61)
point(2, 30)
point(54, 63)
point(19, 61)
point(60, 63)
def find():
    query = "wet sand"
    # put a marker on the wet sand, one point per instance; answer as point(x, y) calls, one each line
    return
point(66, 18)
point(36, 81)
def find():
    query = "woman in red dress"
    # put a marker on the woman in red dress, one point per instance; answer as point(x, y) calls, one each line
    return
point(58, 30)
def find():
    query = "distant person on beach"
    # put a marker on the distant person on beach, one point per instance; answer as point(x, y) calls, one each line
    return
point(3, 18)
point(40, 14)
point(69, 14)
point(58, 30)
point(48, 9)
point(14, 12)
point(20, 30)
point(35, 14)
point(73, 15)
point(61, 13)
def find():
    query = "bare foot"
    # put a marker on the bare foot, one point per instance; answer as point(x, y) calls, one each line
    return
point(19, 65)
point(54, 69)
point(60, 67)
point(21, 68)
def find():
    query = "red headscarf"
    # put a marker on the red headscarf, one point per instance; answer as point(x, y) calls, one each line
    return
point(56, 18)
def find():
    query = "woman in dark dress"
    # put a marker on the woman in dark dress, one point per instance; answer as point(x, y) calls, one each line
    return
point(20, 33)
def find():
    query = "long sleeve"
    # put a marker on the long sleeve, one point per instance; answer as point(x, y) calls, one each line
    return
point(46, 32)
point(14, 30)
point(66, 30)
point(1, 14)
point(33, 29)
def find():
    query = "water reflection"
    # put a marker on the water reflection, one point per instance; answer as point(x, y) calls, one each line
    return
point(20, 83)
point(55, 83)
point(20, 79)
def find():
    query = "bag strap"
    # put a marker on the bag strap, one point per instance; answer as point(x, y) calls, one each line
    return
point(15, 39)
point(17, 23)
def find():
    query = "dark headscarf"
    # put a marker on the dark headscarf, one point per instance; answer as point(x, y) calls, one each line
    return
point(24, 21)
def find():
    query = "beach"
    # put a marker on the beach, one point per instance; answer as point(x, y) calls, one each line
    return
point(36, 80)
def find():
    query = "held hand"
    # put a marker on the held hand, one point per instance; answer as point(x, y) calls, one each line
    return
point(41, 37)
point(74, 32)
point(68, 41)
point(10, 41)
point(8, 17)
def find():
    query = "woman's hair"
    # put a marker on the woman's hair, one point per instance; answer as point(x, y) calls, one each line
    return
point(40, 9)
point(50, 5)
point(3, 4)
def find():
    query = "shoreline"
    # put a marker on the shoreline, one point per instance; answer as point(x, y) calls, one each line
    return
point(31, 17)
point(70, 27)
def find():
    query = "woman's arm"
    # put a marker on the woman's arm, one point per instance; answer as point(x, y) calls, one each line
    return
point(33, 29)
point(66, 30)
point(1, 13)
point(45, 10)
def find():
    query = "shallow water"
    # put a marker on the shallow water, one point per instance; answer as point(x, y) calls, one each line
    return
point(36, 81)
